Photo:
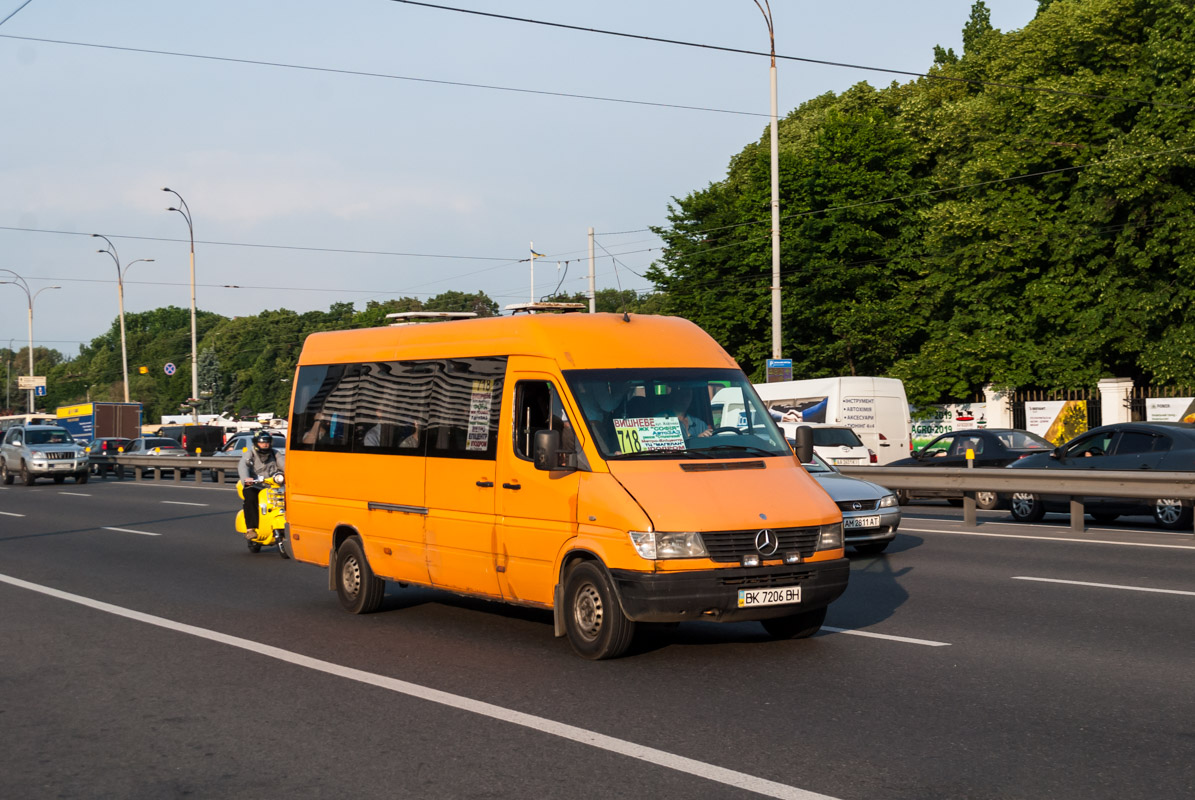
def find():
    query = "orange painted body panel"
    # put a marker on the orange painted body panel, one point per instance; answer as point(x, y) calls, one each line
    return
point(779, 496)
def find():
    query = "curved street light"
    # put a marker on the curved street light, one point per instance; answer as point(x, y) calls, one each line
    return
point(185, 210)
point(766, 10)
point(120, 273)
point(21, 282)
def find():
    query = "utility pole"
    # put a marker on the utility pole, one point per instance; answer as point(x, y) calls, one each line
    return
point(592, 291)
point(775, 142)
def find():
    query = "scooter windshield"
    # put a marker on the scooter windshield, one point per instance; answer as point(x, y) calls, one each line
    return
point(675, 413)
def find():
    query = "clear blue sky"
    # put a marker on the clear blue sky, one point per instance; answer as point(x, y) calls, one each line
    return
point(286, 157)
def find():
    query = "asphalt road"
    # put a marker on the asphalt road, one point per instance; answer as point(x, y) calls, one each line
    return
point(1002, 661)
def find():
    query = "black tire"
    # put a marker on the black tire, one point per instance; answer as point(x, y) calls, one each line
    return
point(254, 547)
point(1104, 516)
point(359, 590)
point(213, 476)
point(593, 620)
point(986, 500)
point(280, 537)
point(27, 477)
point(872, 548)
point(5, 476)
point(902, 497)
point(1026, 507)
point(59, 479)
point(81, 477)
point(1171, 514)
point(796, 626)
point(957, 502)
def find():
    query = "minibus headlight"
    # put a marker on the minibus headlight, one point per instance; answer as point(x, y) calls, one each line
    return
point(888, 501)
point(830, 537)
point(657, 544)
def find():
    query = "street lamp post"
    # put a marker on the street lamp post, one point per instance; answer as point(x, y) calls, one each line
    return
point(124, 353)
point(186, 213)
point(19, 281)
point(766, 10)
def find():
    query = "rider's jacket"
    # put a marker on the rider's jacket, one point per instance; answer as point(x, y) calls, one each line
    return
point(258, 464)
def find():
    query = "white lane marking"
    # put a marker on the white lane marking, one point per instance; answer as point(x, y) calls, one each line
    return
point(10, 514)
point(651, 755)
point(1048, 538)
point(127, 530)
point(75, 494)
point(180, 503)
point(1104, 585)
point(889, 637)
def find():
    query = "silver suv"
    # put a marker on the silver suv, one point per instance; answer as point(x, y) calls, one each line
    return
point(41, 451)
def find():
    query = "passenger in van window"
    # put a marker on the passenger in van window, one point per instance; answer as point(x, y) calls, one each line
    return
point(679, 400)
point(602, 402)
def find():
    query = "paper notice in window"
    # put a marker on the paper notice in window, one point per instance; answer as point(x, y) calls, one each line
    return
point(638, 434)
point(480, 403)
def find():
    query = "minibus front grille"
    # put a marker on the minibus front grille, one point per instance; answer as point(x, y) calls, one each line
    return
point(728, 546)
point(766, 579)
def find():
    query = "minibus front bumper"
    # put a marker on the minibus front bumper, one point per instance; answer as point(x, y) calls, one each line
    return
point(713, 594)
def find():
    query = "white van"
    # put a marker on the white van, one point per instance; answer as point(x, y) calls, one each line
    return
point(875, 408)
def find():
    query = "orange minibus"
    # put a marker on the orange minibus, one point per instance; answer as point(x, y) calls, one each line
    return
point(560, 461)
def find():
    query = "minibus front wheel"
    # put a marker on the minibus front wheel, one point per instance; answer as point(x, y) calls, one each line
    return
point(593, 619)
point(359, 590)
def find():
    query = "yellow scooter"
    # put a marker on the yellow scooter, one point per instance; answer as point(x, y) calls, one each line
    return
point(271, 510)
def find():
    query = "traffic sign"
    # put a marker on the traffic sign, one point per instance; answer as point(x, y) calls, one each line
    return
point(780, 369)
point(40, 391)
point(30, 382)
point(169, 368)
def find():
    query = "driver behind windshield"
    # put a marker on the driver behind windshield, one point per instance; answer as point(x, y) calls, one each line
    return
point(678, 401)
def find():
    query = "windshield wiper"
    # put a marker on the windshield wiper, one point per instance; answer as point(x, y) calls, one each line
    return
point(649, 454)
point(742, 448)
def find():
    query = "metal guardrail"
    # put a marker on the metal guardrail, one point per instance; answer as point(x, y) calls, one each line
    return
point(158, 466)
point(1071, 484)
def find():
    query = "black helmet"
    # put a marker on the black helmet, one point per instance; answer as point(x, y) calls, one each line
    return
point(262, 436)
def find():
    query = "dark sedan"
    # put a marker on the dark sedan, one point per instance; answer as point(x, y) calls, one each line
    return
point(993, 447)
point(1162, 446)
point(107, 446)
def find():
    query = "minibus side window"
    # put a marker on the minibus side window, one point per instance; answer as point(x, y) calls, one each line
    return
point(324, 400)
point(464, 407)
point(390, 415)
point(538, 408)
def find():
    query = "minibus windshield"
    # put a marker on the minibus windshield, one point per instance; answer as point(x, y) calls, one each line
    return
point(668, 413)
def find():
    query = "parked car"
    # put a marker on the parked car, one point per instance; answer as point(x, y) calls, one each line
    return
point(837, 444)
point(239, 443)
point(155, 446)
point(993, 447)
point(870, 513)
point(106, 446)
point(41, 451)
point(194, 438)
point(1129, 446)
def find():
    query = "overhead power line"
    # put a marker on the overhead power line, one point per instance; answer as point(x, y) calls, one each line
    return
point(266, 246)
point(804, 60)
point(387, 76)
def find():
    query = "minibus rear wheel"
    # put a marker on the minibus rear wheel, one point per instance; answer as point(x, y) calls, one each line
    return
point(359, 590)
point(593, 620)
point(796, 626)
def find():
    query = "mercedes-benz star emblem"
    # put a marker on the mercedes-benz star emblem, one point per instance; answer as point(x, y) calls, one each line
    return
point(766, 542)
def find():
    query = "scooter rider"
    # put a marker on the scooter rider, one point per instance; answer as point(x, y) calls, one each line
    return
point(259, 462)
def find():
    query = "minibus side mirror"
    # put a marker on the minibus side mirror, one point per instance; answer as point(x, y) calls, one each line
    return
point(547, 452)
point(804, 440)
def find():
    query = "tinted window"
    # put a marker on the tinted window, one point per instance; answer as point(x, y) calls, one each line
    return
point(448, 408)
point(1096, 444)
point(835, 437)
point(1133, 442)
point(1023, 440)
point(53, 436)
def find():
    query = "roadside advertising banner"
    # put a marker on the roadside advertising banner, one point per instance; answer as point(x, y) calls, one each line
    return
point(1057, 420)
point(1170, 409)
point(808, 409)
point(930, 422)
